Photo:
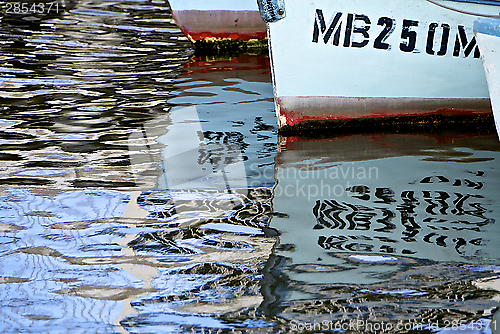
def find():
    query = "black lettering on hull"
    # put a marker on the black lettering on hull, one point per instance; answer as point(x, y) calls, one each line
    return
point(357, 35)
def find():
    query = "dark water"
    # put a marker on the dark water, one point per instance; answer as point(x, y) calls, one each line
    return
point(144, 189)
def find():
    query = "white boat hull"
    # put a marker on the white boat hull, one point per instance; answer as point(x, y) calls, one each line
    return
point(357, 59)
point(487, 33)
point(218, 19)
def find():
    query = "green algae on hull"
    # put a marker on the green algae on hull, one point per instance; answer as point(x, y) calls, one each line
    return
point(228, 45)
point(430, 123)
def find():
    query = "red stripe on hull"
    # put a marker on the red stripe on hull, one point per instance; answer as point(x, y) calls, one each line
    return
point(238, 24)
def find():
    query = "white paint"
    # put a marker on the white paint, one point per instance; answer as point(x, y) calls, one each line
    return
point(304, 68)
point(213, 5)
point(232, 228)
point(490, 54)
point(373, 258)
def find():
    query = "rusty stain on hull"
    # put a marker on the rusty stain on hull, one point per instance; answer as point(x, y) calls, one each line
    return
point(234, 24)
point(292, 111)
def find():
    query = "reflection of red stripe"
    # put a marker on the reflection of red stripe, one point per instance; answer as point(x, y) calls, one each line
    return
point(237, 24)
point(295, 150)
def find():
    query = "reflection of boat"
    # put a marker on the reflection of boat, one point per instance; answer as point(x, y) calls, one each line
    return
point(196, 164)
point(487, 31)
point(374, 198)
point(368, 222)
point(345, 59)
point(210, 203)
point(197, 154)
point(218, 19)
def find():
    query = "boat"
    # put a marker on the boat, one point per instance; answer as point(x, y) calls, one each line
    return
point(223, 19)
point(362, 60)
point(487, 31)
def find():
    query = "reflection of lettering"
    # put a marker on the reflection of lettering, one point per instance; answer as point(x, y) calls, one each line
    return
point(440, 210)
point(249, 207)
point(362, 244)
point(205, 160)
point(221, 148)
point(356, 27)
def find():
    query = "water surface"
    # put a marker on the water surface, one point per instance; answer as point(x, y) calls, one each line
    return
point(145, 190)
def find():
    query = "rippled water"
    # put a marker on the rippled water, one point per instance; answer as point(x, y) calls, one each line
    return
point(400, 229)
point(144, 189)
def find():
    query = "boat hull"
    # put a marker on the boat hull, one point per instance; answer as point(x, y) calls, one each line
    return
point(487, 31)
point(359, 59)
point(199, 20)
